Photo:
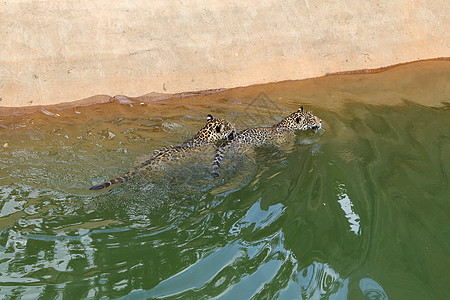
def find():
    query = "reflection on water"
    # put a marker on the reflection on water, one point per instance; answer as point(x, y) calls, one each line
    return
point(347, 207)
point(372, 290)
point(358, 210)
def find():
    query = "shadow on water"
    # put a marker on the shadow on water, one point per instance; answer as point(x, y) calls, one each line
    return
point(359, 210)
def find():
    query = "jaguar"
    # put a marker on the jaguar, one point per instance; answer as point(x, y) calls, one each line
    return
point(275, 135)
point(215, 131)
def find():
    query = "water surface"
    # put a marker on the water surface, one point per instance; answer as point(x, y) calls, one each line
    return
point(357, 210)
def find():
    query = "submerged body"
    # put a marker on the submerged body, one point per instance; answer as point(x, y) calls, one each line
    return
point(278, 134)
point(214, 132)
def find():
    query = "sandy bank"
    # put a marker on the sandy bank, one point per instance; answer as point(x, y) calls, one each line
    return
point(62, 51)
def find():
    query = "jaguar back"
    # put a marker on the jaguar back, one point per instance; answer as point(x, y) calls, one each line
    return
point(215, 131)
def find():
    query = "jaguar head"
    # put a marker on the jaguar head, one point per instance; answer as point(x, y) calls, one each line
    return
point(216, 130)
point(300, 120)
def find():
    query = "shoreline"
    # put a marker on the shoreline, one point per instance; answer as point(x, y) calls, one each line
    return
point(403, 69)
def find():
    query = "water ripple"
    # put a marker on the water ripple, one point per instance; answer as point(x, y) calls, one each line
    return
point(357, 211)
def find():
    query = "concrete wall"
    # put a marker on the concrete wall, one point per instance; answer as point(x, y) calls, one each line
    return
point(65, 50)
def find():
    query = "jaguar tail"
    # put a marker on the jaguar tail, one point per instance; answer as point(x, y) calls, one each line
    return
point(116, 180)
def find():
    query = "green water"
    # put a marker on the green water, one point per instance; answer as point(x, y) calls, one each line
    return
point(358, 210)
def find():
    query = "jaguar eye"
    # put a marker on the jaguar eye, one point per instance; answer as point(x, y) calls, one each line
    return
point(218, 128)
point(297, 120)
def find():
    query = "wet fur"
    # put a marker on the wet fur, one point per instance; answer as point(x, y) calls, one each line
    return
point(215, 131)
point(276, 135)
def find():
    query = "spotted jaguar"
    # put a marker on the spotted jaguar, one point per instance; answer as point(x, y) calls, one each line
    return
point(215, 131)
point(275, 135)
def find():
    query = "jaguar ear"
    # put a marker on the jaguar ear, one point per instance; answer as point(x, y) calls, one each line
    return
point(301, 108)
point(209, 118)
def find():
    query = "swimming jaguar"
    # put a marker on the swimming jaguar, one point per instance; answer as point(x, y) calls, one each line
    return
point(276, 135)
point(213, 133)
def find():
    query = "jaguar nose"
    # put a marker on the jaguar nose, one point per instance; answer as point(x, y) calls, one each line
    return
point(317, 126)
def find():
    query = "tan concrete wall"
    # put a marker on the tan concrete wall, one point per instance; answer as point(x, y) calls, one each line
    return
point(65, 50)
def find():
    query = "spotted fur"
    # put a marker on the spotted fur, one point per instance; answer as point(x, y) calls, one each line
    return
point(215, 131)
point(278, 134)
